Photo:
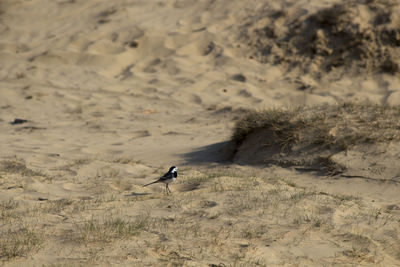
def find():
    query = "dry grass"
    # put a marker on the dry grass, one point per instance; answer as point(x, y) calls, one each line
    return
point(55, 206)
point(19, 243)
point(309, 136)
point(19, 167)
point(228, 218)
point(337, 126)
point(17, 237)
point(110, 228)
point(8, 210)
point(275, 119)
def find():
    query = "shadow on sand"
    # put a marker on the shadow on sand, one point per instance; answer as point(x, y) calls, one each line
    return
point(221, 152)
point(134, 194)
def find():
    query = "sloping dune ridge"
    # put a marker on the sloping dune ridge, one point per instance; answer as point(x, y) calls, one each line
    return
point(282, 117)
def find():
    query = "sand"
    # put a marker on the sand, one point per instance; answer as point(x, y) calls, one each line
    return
point(116, 92)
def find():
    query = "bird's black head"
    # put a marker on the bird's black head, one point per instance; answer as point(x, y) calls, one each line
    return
point(174, 171)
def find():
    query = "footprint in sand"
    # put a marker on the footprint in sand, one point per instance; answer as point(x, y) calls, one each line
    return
point(150, 68)
point(245, 93)
point(196, 99)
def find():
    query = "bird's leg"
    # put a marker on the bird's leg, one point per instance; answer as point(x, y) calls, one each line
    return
point(168, 191)
point(166, 188)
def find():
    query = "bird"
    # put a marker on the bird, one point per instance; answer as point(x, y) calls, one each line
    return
point(167, 178)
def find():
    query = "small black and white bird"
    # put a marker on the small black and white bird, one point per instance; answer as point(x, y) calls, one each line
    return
point(167, 178)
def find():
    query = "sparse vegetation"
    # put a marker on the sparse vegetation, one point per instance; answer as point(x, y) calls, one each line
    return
point(99, 98)
point(335, 127)
point(19, 167)
point(18, 243)
point(8, 209)
point(111, 228)
point(220, 212)
point(55, 206)
point(8, 204)
point(310, 136)
point(227, 212)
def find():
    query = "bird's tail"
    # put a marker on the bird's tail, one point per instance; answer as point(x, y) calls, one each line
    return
point(150, 183)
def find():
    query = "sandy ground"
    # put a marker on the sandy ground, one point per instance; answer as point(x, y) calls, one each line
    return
point(115, 92)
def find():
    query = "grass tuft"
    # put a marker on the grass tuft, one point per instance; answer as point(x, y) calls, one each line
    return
point(19, 243)
point(310, 136)
point(274, 119)
point(95, 230)
point(19, 167)
point(337, 126)
point(8, 209)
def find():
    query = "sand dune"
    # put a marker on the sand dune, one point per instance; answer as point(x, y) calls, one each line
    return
point(115, 92)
